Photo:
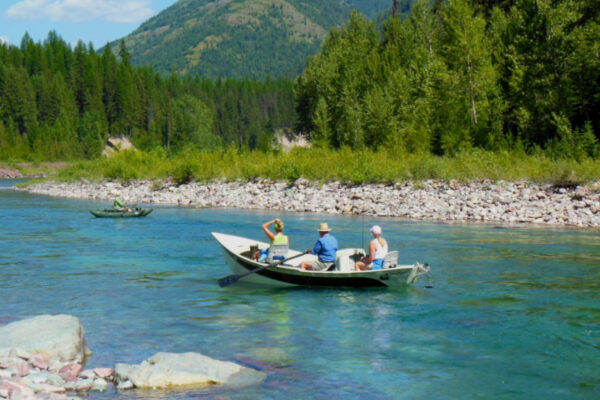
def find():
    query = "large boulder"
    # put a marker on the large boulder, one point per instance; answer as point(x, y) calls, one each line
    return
point(55, 337)
point(287, 140)
point(116, 144)
point(186, 369)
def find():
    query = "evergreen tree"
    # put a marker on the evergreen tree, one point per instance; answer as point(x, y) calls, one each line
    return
point(57, 102)
point(109, 89)
point(470, 80)
point(17, 99)
point(321, 135)
point(192, 124)
point(410, 52)
point(127, 99)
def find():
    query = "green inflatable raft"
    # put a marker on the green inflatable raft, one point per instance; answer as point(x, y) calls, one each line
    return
point(116, 213)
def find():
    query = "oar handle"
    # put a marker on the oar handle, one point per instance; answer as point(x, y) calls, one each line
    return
point(271, 265)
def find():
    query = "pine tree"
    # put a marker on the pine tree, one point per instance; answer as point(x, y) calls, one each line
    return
point(109, 88)
point(470, 81)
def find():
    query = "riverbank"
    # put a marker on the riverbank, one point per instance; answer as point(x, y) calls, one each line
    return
point(480, 201)
point(10, 173)
point(26, 170)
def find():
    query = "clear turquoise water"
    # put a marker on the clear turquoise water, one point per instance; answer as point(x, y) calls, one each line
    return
point(514, 313)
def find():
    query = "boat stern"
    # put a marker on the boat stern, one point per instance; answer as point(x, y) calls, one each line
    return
point(417, 271)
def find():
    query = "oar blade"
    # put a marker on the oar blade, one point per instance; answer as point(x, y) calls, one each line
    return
point(228, 280)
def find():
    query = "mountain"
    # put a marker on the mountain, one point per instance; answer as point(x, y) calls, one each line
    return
point(240, 38)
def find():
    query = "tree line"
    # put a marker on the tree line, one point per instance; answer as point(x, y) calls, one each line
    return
point(459, 74)
point(59, 102)
point(449, 76)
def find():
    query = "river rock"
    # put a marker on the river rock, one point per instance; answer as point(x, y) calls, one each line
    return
point(5, 374)
point(87, 374)
point(70, 372)
point(7, 173)
point(186, 369)
point(104, 372)
point(99, 385)
point(52, 336)
point(19, 353)
point(38, 361)
point(125, 385)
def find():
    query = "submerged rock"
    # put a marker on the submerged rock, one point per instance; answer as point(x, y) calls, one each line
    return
point(274, 356)
point(165, 370)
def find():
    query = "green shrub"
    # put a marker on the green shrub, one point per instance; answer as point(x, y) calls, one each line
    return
point(345, 165)
point(183, 171)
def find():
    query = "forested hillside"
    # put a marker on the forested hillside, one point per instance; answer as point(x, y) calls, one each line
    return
point(62, 103)
point(499, 75)
point(240, 38)
point(513, 75)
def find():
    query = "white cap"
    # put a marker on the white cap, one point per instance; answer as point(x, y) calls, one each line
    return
point(376, 229)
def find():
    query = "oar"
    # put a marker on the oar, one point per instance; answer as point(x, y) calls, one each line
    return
point(228, 280)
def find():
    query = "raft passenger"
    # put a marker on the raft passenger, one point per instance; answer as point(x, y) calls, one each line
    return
point(378, 248)
point(325, 248)
point(120, 205)
point(274, 238)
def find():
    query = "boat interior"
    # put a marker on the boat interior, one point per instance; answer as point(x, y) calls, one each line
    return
point(345, 260)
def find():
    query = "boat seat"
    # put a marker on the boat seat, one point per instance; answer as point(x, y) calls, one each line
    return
point(346, 258)
point(390, 260)
point(277, 252)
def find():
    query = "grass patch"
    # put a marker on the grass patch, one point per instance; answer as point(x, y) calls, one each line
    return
point(344, 165)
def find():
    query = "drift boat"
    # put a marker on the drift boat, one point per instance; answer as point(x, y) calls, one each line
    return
point(115, 213)
point(238, 253)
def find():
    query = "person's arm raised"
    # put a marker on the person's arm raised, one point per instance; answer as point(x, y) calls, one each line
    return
point(266, 226)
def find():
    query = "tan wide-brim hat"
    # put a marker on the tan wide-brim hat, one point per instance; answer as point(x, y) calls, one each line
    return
point(324, 227)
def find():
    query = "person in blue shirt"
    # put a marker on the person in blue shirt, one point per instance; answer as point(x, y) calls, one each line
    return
point(325, 249)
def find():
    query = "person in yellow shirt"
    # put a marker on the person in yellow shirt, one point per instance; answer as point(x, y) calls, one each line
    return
point(274, 238)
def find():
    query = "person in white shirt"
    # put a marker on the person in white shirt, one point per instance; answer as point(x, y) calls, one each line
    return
point(378, 248)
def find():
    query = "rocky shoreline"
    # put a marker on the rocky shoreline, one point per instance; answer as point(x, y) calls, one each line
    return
point(44, 357)
point(511, 203)
point(9, 173)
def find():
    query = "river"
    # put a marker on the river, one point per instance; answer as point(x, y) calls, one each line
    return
point(514, 313)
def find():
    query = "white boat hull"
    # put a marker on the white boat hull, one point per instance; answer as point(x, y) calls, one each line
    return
point(236, 252)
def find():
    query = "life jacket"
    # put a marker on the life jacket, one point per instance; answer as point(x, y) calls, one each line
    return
point(280, 239)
